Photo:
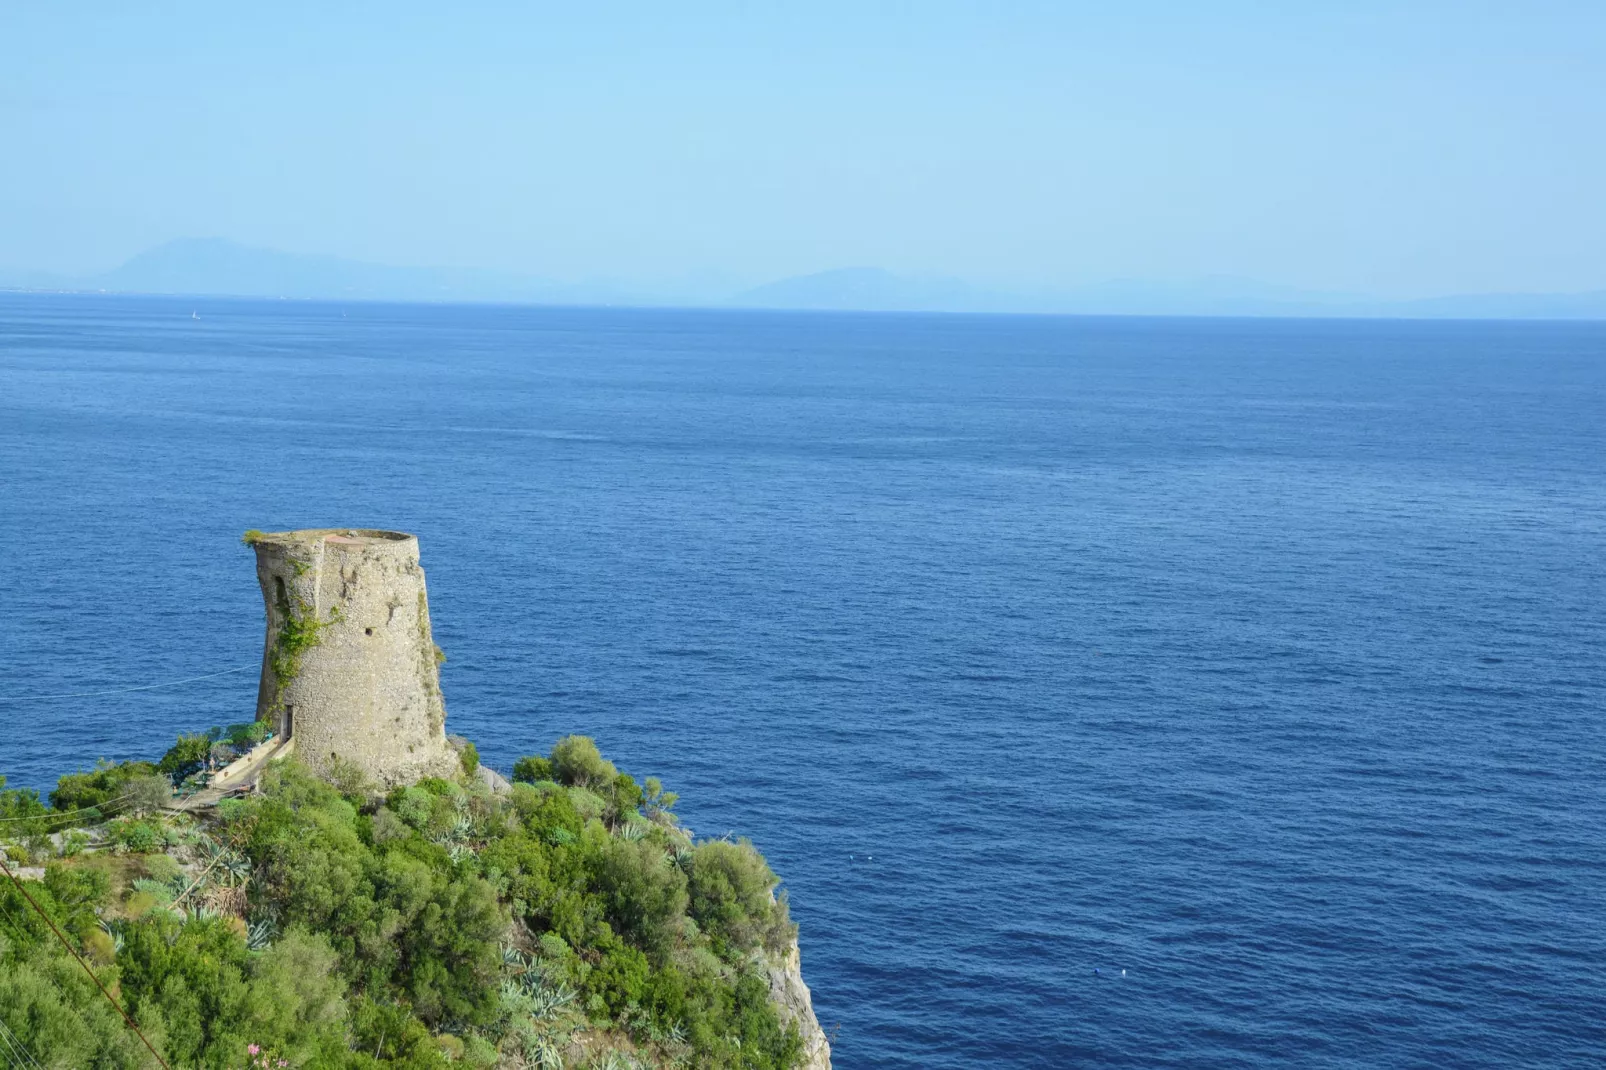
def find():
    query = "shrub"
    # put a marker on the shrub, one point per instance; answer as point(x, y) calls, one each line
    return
point(644, 895)
point(658, 801)
point(439, 786)
point(147, 794)
point(102, 787)
point(186, 757)
point(73, 843)
point(135, 836)
point(349, 779)
point(247, 735)
point(78, 889)
point(532, 770)
point(162, 868)
point(732, 896)
point(470, 757)
point(386, 826)
point(413, 805)
point(17, 804)
point(25, 817)
point(576, 762)
point(406, 907)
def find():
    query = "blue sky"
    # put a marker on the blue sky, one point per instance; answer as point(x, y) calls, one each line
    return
point(1398, 148)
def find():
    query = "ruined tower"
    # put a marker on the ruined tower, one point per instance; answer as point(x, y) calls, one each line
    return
point(349, 669)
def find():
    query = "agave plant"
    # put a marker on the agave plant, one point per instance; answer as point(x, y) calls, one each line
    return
point(548, 1001)
point(236, 869)
point(543, 1052)
point(113, 929)
point(674, 1036)
point(260, 934)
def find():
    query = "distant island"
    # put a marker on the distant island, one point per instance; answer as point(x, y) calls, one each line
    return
point(339, 884)
point(217, 267)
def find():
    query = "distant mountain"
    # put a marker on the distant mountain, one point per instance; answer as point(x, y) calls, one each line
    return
point(872, 289)
point(1590, 305)
point(221, 267)
point(868, 290)
point(217, 266)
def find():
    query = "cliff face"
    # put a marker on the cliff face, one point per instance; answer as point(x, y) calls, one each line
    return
point(791, 998)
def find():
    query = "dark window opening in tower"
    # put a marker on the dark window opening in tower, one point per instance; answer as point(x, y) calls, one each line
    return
point(289, 721)
point(279, 594)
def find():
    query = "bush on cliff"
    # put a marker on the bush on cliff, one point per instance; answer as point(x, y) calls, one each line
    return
point(105, 787)
point(440, 925)
point(186, 757)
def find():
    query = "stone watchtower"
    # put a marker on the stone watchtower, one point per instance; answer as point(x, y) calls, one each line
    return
point(350, 670)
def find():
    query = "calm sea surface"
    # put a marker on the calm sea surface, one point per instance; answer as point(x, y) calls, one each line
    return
point(1262, 661)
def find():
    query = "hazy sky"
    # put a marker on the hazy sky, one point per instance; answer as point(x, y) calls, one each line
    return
point(1397, 148)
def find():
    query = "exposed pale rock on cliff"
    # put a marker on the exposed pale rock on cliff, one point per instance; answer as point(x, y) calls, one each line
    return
point(791, 998)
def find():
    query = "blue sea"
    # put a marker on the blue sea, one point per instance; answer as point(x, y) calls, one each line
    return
point(1108, 692)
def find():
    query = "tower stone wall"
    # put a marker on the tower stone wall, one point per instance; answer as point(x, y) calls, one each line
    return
point(350, 670)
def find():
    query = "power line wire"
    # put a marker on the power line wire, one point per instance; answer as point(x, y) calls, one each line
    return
point(74, 953)
point(14, 1041)
point(66, 1000)
point(15, 1059)
point(124, 690)
point(50, 815)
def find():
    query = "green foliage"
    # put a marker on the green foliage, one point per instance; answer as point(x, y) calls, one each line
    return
point(732, 897)
point(658, 802)
point(576, 762)
point(350, 780)
point(73, 843)
point(135, 835)
point(470, 755)
point(413, 805)
point(252, 537)
point(186, 757)
point(376, 931)
point(644, 898)
point(532, 770)
point(163, 868)
point(247, 735)
point(19, 803)
point(23, 817)
point(400, 915)
point(299, 631)
point(147, 794)
point(47, 1002)
point(101, 788)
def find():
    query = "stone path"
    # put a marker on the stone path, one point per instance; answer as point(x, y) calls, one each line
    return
point(241, 774)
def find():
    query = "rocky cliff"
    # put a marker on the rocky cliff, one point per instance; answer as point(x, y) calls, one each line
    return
point(791, 998)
